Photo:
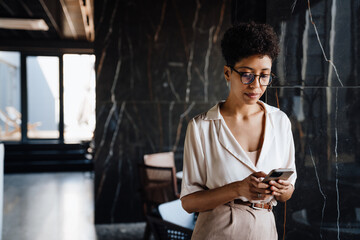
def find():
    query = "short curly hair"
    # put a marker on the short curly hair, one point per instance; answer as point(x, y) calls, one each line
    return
point(247, 39)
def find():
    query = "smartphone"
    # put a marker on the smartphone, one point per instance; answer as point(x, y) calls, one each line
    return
point(280, 173)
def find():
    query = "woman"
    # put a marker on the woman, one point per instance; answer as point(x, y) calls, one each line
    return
point(230, 149)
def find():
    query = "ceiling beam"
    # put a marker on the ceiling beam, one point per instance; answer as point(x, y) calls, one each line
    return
point(51, 18)
point(68, 19)
point(88, 19)
point(44, 46)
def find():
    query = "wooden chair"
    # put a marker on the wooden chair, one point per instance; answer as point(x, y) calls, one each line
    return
point(9, 123)
point(15, 116)
point(158, 183)
point(163, 159)
point(12, 121)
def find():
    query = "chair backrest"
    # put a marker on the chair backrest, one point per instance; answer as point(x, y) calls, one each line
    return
point(14, 114)
point(173, 212)
point(2, 154)
point(164, 230)
point(163, 159)
point(157, 184)
point(7, 120)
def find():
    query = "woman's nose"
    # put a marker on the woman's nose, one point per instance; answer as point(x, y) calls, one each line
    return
point(256, 82)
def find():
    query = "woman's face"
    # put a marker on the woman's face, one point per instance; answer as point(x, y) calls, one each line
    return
point(248, 93)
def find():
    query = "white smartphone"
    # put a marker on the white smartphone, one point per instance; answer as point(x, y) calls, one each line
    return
point(280, 173)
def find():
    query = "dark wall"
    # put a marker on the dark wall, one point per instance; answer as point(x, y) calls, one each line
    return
point(318, 88)
point(158, 64)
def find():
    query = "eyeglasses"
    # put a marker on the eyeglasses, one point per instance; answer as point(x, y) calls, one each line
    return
point(248, 78)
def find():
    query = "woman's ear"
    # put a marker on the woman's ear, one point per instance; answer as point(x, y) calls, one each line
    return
point(227, 73)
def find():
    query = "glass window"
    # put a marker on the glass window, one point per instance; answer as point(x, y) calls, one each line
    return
point(43, 96)
point(79, 97)
point(10, 116)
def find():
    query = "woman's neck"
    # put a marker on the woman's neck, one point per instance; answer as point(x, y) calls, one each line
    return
point(238, 109)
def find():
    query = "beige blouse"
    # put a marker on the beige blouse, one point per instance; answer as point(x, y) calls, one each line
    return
point(213, 157)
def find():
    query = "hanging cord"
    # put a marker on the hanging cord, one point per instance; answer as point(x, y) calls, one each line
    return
point(277, 98)
point(284, 220)
point(278, 105)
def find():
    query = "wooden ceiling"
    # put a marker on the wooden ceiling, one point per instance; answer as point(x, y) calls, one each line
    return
point(68, 20)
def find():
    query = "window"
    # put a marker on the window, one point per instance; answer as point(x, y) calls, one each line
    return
point(79, 97)
point(10, 120)
point(43, 97)
point(56, 96)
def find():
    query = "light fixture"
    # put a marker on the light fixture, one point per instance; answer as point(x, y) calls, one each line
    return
point(24, 24)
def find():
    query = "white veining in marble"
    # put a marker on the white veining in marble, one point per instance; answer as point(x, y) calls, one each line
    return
point(171, 108)
point(111, 150)
point(137, 129)
point(118, 185)
point(107, 38)
point(132, 68)
point(337, 167)
point(113, 100)
point(305, 44)
point(172, 85)
point(162, 18)
point(108, 121)
point(321, 192)
point(293, 6)
point(321, 46)
point(102, 15)
point(206, 67)
point(191, 55)
point(182, 116)
point(281, 66)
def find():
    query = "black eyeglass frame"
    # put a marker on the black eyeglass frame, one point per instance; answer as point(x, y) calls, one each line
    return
point(272, 76)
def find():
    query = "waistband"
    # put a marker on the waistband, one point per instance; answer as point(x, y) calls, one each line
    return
point(257, 206)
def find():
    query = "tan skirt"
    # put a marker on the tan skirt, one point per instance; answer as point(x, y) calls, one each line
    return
point(235, 221)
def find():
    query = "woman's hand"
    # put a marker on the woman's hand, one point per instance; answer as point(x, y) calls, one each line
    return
point(253, 188)
point(281, 189)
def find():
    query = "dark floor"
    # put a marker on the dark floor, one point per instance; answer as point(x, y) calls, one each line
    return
point(56, 206)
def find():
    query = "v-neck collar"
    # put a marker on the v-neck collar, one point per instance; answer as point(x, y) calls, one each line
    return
point(229, 142)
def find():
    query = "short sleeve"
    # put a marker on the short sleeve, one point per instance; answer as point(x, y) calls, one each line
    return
point(194, 168)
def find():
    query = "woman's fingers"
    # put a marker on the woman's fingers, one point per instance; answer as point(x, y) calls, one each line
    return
point(259, 184)
point(261, 190)
point(280, 184)
point(260, 196)
point(259, 174)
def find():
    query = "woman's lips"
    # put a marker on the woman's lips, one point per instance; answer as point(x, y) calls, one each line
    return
point(252, 95)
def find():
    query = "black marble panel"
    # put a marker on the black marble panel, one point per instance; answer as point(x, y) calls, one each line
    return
point(326, 203)
point(161, 50)
point(128, 131)
point(158, 64)
point(319, 42)
point(318, 87)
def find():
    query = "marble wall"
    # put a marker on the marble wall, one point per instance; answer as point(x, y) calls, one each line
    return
point(318, 87)
point(159, 64)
